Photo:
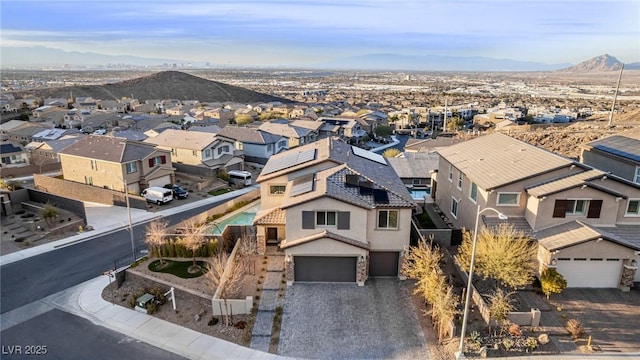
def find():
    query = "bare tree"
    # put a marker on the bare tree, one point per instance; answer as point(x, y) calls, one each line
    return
point(225, 278)
point(193, 238)
point(502, 254)
point(500, 305)
point(248, 247)
point(155, 237)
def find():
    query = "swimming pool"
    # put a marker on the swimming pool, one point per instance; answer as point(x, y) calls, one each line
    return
point(242, 218)
point(419, 194)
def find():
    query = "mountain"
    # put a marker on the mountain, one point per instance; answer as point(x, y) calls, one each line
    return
point(632, 66)
point(600, 63)
point(435, 63)
point(161, 85)
point(45, 56)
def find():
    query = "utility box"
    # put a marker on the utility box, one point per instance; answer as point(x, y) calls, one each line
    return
point(143, 301)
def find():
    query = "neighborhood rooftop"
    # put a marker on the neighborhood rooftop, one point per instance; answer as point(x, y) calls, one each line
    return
point(109, 148)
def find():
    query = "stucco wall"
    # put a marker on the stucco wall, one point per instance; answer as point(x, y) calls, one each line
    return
point(326, 247)
point(609, 164)
point(608, 212)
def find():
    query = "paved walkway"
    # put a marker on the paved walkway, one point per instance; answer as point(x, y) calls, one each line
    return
point(269, 301)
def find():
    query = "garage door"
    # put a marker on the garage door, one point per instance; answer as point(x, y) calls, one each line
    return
point(324, 268)
point(161, 181)
point(591, 273)
point(383, 263)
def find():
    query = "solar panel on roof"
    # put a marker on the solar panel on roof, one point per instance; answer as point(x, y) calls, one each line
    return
point(288, 159)
point(380, 196)
point(365, 187)
point(352, 180)
point(302, 185)
point(368, 155)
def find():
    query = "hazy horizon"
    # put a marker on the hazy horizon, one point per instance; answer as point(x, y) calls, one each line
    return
point(290, 33)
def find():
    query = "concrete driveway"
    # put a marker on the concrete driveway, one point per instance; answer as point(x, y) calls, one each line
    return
point(339, 321)
point(610, 316)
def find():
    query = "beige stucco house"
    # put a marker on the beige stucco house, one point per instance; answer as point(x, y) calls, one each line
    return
point(191, 150)
point(109, 162)
point(340, 213)
point(580, 216)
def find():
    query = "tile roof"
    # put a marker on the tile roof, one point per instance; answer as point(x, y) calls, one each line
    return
point(576, 232)
point(630, 233)
point(109, 148)
point(183, 139)
point(496, 160)
point(618, 145)
point(321, 235)
point(564, 183)
point(519, 223)
point(415, 165)
point(273, 216)
point(249, 135)
point(285, 130)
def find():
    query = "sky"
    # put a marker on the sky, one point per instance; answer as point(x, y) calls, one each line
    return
point(285, 32)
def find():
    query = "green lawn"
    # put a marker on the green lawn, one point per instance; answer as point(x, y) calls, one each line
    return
point(178, 268)
point(219, 191)
point(424, 221)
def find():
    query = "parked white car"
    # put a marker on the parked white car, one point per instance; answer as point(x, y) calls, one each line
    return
point(100, 132)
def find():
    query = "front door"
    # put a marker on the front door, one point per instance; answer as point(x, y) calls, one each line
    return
point(272, 235)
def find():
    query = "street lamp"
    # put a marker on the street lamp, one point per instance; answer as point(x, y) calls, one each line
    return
point(460, 353)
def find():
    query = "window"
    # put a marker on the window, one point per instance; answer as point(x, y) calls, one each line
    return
point(269, 147)
point(473, 193)
point(576, 207)
point(132, 167)
point(195, 152)
point(207, 153)
point(158, 160)
point(94, 165)
point(636, 178)
point(388, 219)
point(88, 180)
point(239, 145)
point(223, 149)
point(460, 180)
point(277, 189)
point(633, 207)
point(326, 218)
point(454, 207)
point(450, 172)
point(174, 151)
point(282, 143)
point(508, 199)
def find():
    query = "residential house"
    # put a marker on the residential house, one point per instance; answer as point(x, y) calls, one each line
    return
point(113, 106)
point(340, 213)
point(192, 151)
point(415, 169)
point(24, 133)
point(296, 136)
point(13, 154)
point(560, 203)
point(258, 145)
point(617, 154)
point(116, 163)
point(46, 152)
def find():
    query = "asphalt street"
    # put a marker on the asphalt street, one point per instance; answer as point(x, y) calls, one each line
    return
point(31, 279)
point(59, 335)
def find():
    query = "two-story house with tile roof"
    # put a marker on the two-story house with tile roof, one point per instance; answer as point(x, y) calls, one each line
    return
point(258, 145)
point(109, 162)
point(295, 135)
point(548, 197)
point(340, 213)
point(194, 151)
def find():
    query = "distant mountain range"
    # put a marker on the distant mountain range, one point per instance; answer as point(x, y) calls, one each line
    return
point(43, 56)
point(161, 85)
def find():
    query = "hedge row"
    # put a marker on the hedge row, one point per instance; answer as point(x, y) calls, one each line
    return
point(175, 248)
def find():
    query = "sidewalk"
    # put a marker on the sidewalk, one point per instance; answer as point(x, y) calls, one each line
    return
point(106, 219)
point(85, 300)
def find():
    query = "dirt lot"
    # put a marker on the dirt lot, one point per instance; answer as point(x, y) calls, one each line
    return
point(193, 311)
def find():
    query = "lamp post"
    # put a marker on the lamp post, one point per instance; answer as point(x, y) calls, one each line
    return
point(460, 353)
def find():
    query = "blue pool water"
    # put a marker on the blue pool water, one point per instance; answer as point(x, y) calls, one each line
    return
point(243, 218)
point(419, 194)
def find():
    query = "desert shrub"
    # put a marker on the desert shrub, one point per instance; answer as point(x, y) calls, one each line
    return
point(152, 307)
point(213, 321)
point(575, 329)
point(131, 301)
point(531, 343)
point(508, 343)
point(159, 295)
point(514, 330)
point(240, 324)
point(475, 339)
